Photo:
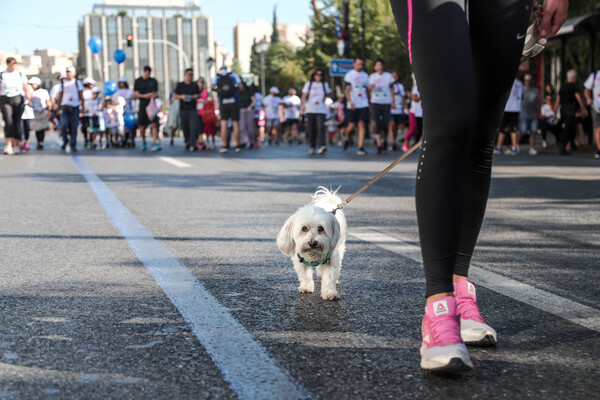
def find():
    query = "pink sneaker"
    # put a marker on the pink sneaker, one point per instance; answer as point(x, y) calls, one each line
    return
point(405, 148)
point(442, 349)
point(473, 330)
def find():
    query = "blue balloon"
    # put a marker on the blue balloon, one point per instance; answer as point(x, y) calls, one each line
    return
point(129, 120)
point(110, 87)
point(95, 44)
point(119, 56)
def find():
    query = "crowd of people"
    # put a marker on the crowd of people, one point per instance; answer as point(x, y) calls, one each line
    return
point(377, 105)
point(571, 115)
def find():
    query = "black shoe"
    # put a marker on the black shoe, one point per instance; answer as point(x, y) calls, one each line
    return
point(40, 146)
point(564, 152)
point(63, 147)
point(361, 151)
point(73, 149)
point(379, 150)
point(171, 143)
point(346, 145)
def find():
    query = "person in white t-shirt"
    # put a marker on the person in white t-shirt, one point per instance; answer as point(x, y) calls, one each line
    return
point(314, 96)
point(398, 114)
point(274, 111)
point(70, 98)
point(13, 86)
point(510, 120)
point(592, 97)
point(382, 102)
point(41, 104)
point(357, 82)
point(291, 112)
point(415, 116)
point(88, 84)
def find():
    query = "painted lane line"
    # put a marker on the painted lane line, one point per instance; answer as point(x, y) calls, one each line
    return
point(175, 162)
point(243, 361)
point(572, 311)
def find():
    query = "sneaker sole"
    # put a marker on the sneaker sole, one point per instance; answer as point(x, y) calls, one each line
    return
point(454, 366)
point(487, 341)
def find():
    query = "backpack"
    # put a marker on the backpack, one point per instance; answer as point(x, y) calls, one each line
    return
point(226, 87)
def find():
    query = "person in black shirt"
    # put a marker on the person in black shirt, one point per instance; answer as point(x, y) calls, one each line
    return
point(187, 92)
point(568, 98)
point(145, 89)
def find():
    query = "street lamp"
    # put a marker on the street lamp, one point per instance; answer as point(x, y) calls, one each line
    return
point(210, 63)
point(260, 48)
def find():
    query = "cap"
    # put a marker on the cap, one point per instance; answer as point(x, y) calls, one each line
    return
point(274, 90)
point(89, 81)
point(71, 69)
point(122, 79)
point(95, 89)
point(35, 81)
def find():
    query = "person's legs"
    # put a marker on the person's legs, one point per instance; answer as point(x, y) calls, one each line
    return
point(362, 131)
point(311, 130)
point(194, 125)
point(185, 127)
point(320, 127)
point(39, 135)
point(65, 125)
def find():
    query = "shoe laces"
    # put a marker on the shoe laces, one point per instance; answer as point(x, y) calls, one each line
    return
point(468, 309)
point(445, 330)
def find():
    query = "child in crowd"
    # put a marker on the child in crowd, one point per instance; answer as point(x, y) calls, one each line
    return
point(209, 120)
point(111, 122)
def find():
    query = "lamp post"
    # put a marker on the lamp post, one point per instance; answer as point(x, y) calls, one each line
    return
point(210, 63)
point(260, 48)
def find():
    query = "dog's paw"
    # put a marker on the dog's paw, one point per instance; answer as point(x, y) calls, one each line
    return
point(330, 295)
point(309, 288)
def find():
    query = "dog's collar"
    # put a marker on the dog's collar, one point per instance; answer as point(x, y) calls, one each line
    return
point(314, 263)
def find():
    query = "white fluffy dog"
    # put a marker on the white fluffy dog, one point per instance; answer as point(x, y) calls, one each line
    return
point(313, 236)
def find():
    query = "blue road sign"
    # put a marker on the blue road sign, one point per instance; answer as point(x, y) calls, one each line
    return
point(339, 67)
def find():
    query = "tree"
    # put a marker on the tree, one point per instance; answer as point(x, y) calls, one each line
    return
point(275, 34)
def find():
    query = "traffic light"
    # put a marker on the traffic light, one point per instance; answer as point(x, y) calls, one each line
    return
point(129, 40)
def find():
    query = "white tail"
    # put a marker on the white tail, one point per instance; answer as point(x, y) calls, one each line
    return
point(324, 194)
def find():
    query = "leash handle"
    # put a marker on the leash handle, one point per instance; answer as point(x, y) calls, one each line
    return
point(375, 179)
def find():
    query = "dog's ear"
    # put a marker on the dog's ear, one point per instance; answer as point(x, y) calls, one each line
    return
point(285, 238)
point(335, 232)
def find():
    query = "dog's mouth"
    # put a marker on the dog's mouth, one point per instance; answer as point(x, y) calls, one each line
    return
point(315, 254)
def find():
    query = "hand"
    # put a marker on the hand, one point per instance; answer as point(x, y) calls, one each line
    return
point(553, 14)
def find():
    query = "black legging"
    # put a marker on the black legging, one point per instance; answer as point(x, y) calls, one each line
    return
point(12, 110)
point(465, 64)
point(315, 126)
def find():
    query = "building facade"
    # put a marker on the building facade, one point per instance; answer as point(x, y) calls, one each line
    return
point(168, 35)
point(245, 34)
point(45, 64)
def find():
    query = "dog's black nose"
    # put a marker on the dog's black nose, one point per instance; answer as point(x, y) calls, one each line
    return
point(313, 244)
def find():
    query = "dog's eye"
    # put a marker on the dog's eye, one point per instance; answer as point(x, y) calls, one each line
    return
point(304, 229)
point(320, 229)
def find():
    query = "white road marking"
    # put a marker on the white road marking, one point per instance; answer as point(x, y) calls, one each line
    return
point(243, 361)
point(175, 162)
point(574, 312)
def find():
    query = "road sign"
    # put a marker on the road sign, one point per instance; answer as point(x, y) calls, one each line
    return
point(339, 67)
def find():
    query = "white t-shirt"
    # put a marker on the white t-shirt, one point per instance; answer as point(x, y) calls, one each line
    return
point(315, 100)
point(381, 93)
point(39, 99)
point(271, 104)
point(358, 81)
point(291, 107)
point(399, 94)
point(111, 117)
point(548, 113)
point(415, 106)
point(516, 95)
point(12, 83)
point(127, 94)
point(71, 92)
point(593, 83)
point(54, 91)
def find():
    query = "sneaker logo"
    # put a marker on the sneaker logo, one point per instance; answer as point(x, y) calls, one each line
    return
point(471, 288)
point(440, 308)
point(426, 339)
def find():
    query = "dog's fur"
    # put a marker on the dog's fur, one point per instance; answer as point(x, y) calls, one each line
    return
point(312, 232)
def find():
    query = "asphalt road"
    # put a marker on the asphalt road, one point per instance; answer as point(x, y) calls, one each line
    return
point(155, 275)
